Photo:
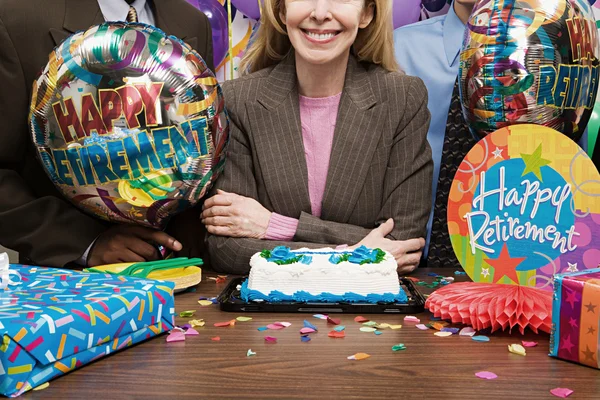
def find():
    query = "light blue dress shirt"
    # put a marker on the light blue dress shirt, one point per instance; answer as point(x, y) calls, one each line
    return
point(430, 50)
point(116, 10)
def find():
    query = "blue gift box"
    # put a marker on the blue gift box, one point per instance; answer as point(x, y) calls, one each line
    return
point(56, 320)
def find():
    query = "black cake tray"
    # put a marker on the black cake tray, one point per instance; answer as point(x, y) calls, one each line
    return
point(230, 300)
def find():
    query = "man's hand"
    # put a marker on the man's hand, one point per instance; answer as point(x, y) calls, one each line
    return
point(129, 243)
point(406, 252)
point(229, 214)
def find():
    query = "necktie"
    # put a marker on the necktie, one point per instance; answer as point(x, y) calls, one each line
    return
point(457, 143)
point(132, 15)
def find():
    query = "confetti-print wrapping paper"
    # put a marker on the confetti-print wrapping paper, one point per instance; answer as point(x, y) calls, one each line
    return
point(57, 320)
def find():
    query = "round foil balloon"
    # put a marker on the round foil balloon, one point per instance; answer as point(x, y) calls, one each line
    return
point(129, 123)
point(529, 61)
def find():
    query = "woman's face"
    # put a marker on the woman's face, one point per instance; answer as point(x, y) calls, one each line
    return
point(324, 30)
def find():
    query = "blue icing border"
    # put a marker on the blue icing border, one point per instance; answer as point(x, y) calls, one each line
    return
point(305, 297)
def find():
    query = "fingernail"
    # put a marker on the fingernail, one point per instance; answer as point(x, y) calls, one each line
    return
point(177, 245)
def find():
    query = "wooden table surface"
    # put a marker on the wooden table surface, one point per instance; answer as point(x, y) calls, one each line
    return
point(431, 367)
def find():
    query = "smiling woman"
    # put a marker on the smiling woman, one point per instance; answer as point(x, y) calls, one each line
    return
point(327, 139)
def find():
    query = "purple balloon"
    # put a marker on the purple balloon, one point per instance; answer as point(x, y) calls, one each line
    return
point(406, 12)
point(217, 16)
point(249, 8)
point(434, 5)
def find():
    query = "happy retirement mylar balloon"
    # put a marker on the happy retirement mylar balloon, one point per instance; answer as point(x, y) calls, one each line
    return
point(529, 61)
point(129, 123)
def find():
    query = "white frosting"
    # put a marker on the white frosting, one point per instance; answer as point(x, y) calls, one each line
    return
point(321, 276)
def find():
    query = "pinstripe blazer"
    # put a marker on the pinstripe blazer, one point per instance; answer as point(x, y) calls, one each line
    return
point(380, 164)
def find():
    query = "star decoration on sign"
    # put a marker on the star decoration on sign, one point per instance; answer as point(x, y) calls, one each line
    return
point(485, 272)
point(588, 354)
point(591, 307)
point(572, 297)
point(566, 344)
point(497, 153)
point(504, 265)
point(533, 162)
point(572, 267)
point(591, 330)
point(573, 322)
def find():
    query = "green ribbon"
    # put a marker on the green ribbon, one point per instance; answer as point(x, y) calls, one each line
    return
point(143, 269)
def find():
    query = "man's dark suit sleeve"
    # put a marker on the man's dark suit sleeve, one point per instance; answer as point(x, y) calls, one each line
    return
point(46, 230)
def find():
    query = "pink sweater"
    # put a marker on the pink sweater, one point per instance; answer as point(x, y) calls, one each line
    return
point(318, 117)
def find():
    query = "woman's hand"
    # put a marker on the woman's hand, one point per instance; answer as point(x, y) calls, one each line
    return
point(406, 252)
point(229, 214)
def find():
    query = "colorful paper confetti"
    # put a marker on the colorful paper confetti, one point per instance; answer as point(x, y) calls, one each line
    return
point(218, 279)
point(443, 334)
point(468, 331)
point(480, 338)
point(305, 330)
point(438, 325)
point(360, 319)
point(276, 326)
point(187, 314)
point(359, 356)
point(176, 336)
point(529, 344)
point(382, 326)
point(398, 347)
point(339, 328)
point(250, 353)
point(453, 331)
point(320, 316)
point(337, 335)
point(191, 331)
point(367, 329)
point(285, 324)
point(223, 324)
point(395, 327)
point(422, 327)
point(262, 328)
point(486, 375)
point(305, 338)
point(270, 339)
point(196, 322)
point(334, 321)
point(517, 349)
point(411, 318)
point(370, 323)
point(561, 392)
point(205, 303)
point(244, 319)
point(216, 339)
point(307, 324)
point(378, 333)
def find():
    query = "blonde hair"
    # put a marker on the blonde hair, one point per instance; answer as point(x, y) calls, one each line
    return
point(374, 44)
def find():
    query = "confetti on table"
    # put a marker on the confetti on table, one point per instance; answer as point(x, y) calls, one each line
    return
point(368, 329)
point(561, 392)
point(196, 322)
point(270, 339)
point(42, 386)
point(250, 353)
point(451, 330)
point(460, 273)
point(218, 279)
point(191, 331)
point(215, 339)
point(334, 334)
point(370, 323)
point(305, 338)
point(334, 321)
point(378, 333)
point(358, 356)
point(307, 324)
point(517, 349)
point(481, 338)
point(223, 324)
point(339, 328)
point(305, 330)
point(486, 375)
point(187, 314)
point(438, 325)
point(529, 344)
point(360, 319)
point(320, 316)
point(285, 324)
point(422, 327)
point(205, 303)
point(394, 327)
point(468, 331)
point(261, 328)
point(398, 347)
point(276, 326)
point(443, 334)
point(176, 336)
point(411, 318)
point(244, 319)
point(382, 326)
